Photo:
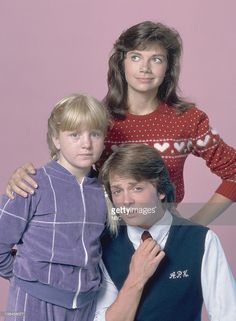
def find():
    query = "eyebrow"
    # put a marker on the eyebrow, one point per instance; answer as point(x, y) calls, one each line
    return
point(130, 184)
point(140, 53)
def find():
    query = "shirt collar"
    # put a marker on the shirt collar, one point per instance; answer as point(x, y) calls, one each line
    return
point(158, 230)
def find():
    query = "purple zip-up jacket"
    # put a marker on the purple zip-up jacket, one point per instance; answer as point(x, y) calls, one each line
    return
point(57, 233)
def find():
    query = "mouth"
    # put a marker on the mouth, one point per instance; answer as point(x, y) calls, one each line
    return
point(131, 212)
point(85, 155)
point(144, 79)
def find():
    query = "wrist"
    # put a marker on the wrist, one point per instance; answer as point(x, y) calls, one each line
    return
point(134, 283)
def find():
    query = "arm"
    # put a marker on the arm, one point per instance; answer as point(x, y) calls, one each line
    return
point(14, 216)
point(216, 205)
point(221, 159)
point(218, 284)
point(21, 182)
point(143, 264)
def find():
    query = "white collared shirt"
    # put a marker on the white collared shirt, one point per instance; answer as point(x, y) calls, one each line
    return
point(218, 284)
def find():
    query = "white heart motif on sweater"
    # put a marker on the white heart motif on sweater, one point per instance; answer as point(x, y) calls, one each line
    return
point(214, 132)
point(161, 147)
point(203, 143)
point(189, 144)
point(179, 146)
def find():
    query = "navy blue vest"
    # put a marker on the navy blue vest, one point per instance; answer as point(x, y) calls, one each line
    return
point(174, 292)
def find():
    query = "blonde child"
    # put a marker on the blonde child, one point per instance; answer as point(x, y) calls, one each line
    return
point(55, 274)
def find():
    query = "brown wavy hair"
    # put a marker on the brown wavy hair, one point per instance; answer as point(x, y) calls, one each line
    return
point(139, 37)
point(141, 163)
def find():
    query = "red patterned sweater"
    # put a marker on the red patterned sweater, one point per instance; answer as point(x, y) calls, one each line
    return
point(175, 136)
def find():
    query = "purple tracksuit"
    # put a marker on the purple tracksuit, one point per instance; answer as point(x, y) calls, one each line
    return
point(57, 234)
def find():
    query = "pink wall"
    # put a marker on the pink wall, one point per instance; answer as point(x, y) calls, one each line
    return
point(53, 48)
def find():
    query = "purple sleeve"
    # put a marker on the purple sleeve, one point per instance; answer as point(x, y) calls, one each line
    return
point(14, 217)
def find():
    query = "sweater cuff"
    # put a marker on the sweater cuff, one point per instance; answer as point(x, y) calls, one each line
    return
point(227, 189)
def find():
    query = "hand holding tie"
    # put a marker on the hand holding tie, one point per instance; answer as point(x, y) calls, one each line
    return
point(145, 259)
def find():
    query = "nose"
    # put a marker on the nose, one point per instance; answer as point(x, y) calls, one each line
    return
point(127, 199)
point(86, 140)
point(145, 66)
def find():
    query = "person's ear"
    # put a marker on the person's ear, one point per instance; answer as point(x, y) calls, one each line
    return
point(56, 142)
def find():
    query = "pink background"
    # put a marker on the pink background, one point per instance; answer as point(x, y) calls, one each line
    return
point(53, 48)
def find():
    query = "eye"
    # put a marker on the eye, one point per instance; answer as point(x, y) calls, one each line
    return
point(96, 133)
point(138, 189)
point(135, 58)
point(157, 60)
point(115, 191)
point(75, 135)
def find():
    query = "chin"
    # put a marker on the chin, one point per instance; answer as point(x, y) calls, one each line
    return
point(133, 222)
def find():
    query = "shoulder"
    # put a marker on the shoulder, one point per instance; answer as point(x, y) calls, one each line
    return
point(42, 177)
point(52, 168)
point(193, 114)
point(196, 122)
point(212, 239)
point(188, 225)
point(108, 237)
point(40, 173)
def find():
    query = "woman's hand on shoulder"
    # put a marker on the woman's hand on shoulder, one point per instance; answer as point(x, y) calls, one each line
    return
point(21, 182)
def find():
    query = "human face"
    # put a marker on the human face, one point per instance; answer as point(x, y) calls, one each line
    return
point(79, 150)
point(138, 203)
point(145, 69)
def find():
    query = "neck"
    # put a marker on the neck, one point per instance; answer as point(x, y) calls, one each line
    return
point(157, 218)
point(142, 104)
point(79, 173)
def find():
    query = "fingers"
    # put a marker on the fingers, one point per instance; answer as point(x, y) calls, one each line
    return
point(20, 188)
point(155, 253)
point(21, 183)
point(29, 180)
point(145, 260)
point(159, 257)
point(9, 192)
point(151, 249)
point(148, 245)
point(29, 168)
point(155, 250)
